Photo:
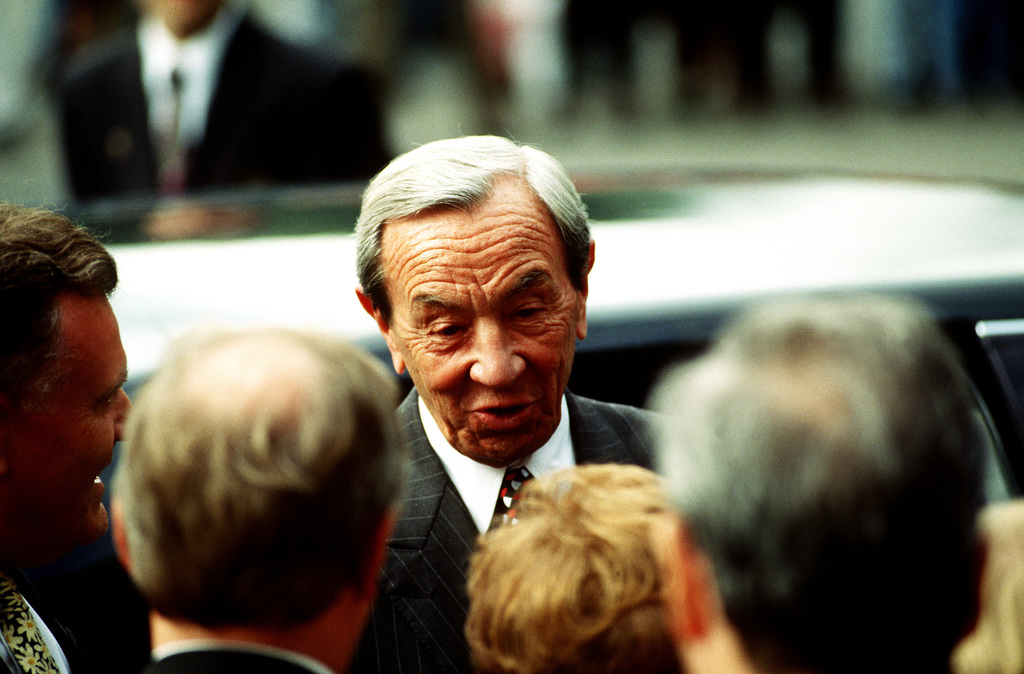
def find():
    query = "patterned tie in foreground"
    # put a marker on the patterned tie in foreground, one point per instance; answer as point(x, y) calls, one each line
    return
point(506, 508)
point(21, 632)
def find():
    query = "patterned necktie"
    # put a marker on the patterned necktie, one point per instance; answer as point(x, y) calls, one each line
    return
point(507, 507)
point(21, 632)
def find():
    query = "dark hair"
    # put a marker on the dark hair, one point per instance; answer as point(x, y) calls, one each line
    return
point(42, 254)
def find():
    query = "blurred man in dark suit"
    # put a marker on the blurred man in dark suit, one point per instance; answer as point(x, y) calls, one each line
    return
point(259, 481)
point(473, 258)
point(62, 409)
point(199, 96)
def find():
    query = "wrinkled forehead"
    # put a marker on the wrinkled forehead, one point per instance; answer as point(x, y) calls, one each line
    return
point(510, 222)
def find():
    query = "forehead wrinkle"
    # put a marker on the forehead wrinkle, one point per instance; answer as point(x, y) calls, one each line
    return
point(474, 231)
point(439, 265)
point(501, 285)
point(442, 257)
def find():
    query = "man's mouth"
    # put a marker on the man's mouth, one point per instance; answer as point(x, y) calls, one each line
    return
point(506, 409)
point(503, 417)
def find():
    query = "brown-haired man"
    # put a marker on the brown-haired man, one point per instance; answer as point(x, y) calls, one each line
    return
point(62, 406)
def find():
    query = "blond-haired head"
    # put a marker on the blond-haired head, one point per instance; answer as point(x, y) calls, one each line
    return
point(573, 585)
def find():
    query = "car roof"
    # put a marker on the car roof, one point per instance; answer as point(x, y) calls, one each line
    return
point(674, 257)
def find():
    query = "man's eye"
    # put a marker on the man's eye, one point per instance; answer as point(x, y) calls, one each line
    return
point(528, 312)
point(449, 330)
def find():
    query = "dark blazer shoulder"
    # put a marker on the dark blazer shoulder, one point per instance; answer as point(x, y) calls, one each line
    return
point(610, 432)
point(285, 112)
point(117, 51)
point(104, 123)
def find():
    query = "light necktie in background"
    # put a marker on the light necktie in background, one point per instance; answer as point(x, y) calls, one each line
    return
point(507, 506)
point(172, 158)
point(20, 630)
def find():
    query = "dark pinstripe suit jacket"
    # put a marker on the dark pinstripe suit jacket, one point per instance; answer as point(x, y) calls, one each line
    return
point(417, 622)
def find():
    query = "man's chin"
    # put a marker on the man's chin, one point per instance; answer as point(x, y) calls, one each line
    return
point(502, 449)
point(93, 526)
point(99, 523)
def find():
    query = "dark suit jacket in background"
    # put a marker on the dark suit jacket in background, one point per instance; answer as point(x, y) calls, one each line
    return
point(77, 659)
point(222, 662)
point(279, 114)
point(417, 622)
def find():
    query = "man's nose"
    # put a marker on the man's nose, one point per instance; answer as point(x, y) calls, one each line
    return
point(495, 361)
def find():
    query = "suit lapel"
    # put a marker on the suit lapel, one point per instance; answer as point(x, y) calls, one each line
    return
point(136, 112)
point(236, 99)
point(425, 573)
point(427, 483)
point(124, 118)
point(596, 439)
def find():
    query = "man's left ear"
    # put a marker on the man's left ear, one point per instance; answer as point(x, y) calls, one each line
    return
point(581, 321)
point(981, 560)
point(690, 593)
point(117, 532)
point(385, 329)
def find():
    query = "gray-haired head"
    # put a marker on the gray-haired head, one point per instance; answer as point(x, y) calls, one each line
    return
point(258, 467)
point(826, 455)
point(459, 173)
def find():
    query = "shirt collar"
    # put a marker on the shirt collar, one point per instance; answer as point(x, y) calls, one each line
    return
point(210, 644)
point(161, 51)
point(198, 58)
point(478, 483)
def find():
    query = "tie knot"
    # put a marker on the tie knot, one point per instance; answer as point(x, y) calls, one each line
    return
point(505, 510)
point(515, 477)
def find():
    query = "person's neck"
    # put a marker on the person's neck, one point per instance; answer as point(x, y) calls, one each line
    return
point(720, 651)
point(330, 637)
point(183, 32)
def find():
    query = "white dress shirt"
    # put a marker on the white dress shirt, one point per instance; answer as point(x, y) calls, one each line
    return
point(197, 59)
point(478, 483)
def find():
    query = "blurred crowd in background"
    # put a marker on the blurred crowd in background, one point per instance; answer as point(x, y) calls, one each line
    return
point(523, 64)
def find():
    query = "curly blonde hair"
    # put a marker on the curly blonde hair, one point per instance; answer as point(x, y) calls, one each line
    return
point(573, 586)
